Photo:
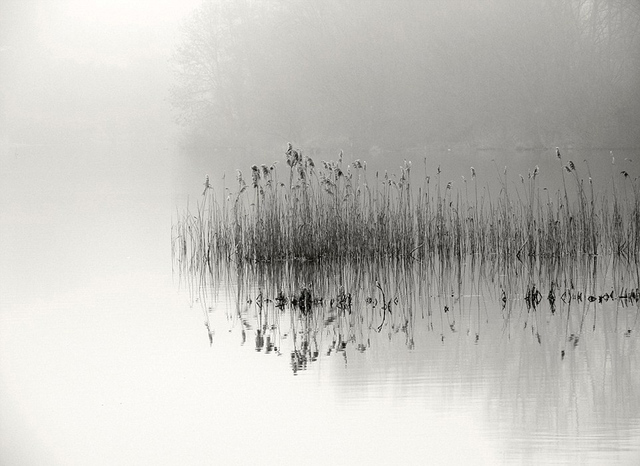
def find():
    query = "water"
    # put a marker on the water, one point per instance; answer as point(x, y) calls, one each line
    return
point(530, 383)
point(104, 358)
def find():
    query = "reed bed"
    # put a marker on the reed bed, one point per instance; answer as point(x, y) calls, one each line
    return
point(328, 211)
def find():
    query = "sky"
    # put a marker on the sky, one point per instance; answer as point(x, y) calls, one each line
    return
point(84, 66)
point(102, 31)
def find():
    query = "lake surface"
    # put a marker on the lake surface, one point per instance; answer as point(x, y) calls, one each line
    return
point(109, 356)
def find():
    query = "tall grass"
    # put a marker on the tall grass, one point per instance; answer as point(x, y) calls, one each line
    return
point(303, 211)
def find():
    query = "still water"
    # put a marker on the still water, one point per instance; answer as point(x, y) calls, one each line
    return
point(108, 355)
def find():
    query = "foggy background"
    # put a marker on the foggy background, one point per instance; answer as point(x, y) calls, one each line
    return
point(233, 81)
point(85, 72)
point(397, 75)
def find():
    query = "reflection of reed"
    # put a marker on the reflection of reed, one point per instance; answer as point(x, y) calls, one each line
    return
point(307, 310)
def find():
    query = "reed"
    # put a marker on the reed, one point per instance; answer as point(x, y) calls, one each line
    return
point(330, 211)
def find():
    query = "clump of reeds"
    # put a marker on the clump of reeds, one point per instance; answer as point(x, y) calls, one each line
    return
point(331, 211)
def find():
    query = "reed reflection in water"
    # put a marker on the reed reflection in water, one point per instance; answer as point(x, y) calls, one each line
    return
point(548, 349)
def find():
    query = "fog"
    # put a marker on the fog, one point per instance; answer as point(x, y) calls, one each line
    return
point(113, 111)
point(243, 78)
point(85, 72)
point(392, 76)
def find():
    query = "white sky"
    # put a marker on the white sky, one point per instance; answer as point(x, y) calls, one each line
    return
point(43, 94)
point(114, 31)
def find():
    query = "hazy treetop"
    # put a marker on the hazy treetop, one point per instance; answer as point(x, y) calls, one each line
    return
point(346, 74)
point(400, 74)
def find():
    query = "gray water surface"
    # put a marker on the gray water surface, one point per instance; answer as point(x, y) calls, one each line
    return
point(105, 358)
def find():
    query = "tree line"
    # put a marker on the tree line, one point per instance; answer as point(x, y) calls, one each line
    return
point(401, 74)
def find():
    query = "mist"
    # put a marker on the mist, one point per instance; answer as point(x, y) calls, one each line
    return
point(233, 79)
point(389, 77)
point(86, 74)
point(145, 319)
